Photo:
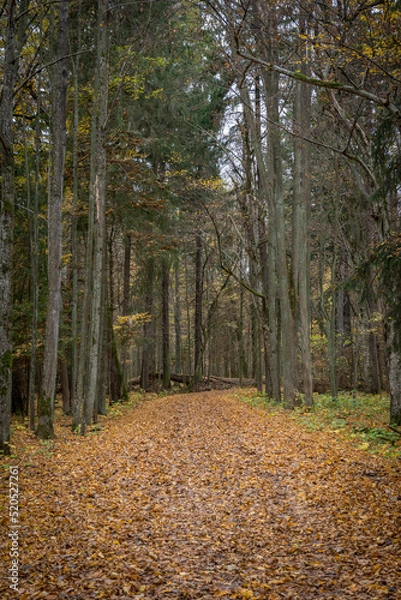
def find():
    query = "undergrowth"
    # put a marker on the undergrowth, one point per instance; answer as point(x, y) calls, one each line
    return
point(361, 419)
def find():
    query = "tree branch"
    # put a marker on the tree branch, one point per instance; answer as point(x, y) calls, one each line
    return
point(43, 67)
point(324, 83)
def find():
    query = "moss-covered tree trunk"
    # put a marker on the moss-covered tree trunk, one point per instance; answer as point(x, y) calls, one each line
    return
point(12, 44)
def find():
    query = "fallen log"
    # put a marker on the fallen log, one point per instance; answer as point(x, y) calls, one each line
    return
point(210, 382)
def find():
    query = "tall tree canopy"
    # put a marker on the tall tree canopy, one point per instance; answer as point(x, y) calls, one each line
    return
point(210, 187)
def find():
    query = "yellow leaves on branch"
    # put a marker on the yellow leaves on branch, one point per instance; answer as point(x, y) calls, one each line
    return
point(127, 326)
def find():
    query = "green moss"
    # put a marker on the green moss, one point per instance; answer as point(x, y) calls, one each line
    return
point(45, 429)
point(6, 362)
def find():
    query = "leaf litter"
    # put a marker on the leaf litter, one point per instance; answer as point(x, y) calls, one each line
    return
point(201, 496)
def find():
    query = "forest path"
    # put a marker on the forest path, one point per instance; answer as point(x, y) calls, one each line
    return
point(201, 496)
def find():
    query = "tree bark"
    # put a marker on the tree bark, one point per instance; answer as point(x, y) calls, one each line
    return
point(6, 225)
point(394, 374)
point(288, 340)
point(148, 328)
point(301, 221)
point(198, 308)
point(166, 321)
point(98, 200)
point(59, 104)
point(126, 299)
point(74, 216)
point(177, 319)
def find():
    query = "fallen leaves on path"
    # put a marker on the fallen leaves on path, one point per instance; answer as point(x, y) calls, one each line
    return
point(201, 496)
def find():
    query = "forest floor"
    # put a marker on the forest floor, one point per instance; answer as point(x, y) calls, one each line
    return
point(199, 496)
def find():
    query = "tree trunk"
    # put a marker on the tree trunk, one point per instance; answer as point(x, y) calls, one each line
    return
point(98, 200)
point(256, 349)
point(65, 385)
point(126, 299)
point(198, 308)
point(6, 225)
point(288, 340)
point(272, 340)
point(114, 367)
point(102, 378)
point(267, 258)
point(242, 366)
point(394, 374)
point(177, 319)
point(301, 219)
point(148, 328)
point(166, 322)
point(59, 103)
point(34, 237)
point(74, 216)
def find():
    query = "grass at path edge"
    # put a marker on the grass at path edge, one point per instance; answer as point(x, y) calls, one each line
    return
point(361, 419)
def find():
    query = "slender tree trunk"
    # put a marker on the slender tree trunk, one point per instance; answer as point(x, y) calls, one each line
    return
point(394, 347)
point(148, 327)
point(166, 321)
point(188, 318)
point(59, 103)
point(331, 332)
point(98, 200)
point(269, 280)
point(177, 319)
point(301, 219)
point(242, 366)
point(356, 357)
point(288, 340)
point(372, 310)
point(114, 367)
point(126, 299)
point(96, 229)
point(65, 384)
point(115, 381)
point(33, 236)
point(268, 259)
point(198, 308)
point(102, 380)
point(74, 218)
point(256, 349)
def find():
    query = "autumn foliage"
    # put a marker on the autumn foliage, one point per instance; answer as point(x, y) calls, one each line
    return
point(202, 496)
